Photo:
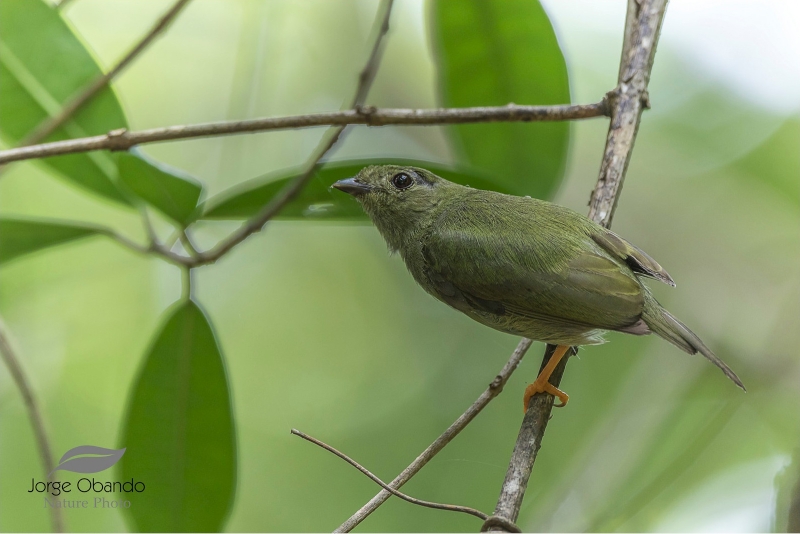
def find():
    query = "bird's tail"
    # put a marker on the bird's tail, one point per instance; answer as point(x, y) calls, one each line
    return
point(662, 323)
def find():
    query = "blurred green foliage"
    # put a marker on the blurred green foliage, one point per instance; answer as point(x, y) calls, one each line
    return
point(321, 330)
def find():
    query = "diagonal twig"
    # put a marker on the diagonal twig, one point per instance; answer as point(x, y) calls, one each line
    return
point(35, 416)
point(627, 102)
point(452, 431)
point(374, 478)
point(293, 188)
point(51, 124)
point(123, 139)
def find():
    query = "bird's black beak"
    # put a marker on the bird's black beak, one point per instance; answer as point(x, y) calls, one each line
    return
point(352, 187)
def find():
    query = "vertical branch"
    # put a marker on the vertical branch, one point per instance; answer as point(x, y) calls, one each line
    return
point(527, 447)
point(34, 414)
point(626, 102)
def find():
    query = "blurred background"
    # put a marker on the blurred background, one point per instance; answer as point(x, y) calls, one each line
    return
point(324, 331)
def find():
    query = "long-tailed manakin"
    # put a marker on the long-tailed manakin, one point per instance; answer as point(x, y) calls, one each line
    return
point(520, 265)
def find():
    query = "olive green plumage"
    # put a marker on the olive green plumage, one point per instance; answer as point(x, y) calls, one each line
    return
point(520, 265)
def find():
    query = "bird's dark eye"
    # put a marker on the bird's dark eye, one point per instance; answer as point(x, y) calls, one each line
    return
point(402, 181)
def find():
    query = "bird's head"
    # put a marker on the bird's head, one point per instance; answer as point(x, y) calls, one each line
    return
point(398, 199)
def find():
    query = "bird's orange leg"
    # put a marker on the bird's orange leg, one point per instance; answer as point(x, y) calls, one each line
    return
point(542, 383)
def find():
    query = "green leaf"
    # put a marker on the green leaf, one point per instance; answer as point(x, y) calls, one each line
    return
point(317, 201)
point(179, 434)
point(491, 54)
point(42, 65)
point(22, 236)
point(171, 191)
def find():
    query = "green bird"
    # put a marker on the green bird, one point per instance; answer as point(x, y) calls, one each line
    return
point(518, 264)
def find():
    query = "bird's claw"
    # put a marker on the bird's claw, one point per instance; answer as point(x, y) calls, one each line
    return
point(543, 387)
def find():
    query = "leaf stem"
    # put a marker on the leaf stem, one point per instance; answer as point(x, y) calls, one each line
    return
point(186, 283)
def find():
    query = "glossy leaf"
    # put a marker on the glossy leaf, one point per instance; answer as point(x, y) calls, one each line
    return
point(491, 54)
point(171, 191)
point(22, 236)
point(42, 65)
point(317, 201)
point(179, 431)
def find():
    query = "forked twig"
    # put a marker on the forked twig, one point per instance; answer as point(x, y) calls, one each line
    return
point(381, 483)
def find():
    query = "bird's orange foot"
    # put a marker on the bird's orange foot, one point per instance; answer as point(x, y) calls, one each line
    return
point(543, 386)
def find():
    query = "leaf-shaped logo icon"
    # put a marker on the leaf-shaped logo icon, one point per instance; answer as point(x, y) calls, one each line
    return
point(88, 459)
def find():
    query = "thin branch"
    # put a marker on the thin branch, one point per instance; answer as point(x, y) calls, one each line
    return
point(374, 478)
point(187, 243)
point(447, 436)
point(152, 248)
point(277, 203)
point(147, 223)
point(51, 124)
point(35, 416)
point(367, 74)
point(122, 139)
point(125, 241)
point(292, 189)
point(527, 446)
point(627, 102)
point(510, 113)
point(173, 238)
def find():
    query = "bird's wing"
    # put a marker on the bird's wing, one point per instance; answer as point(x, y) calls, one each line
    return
point(637, 259)
point(539, 272)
